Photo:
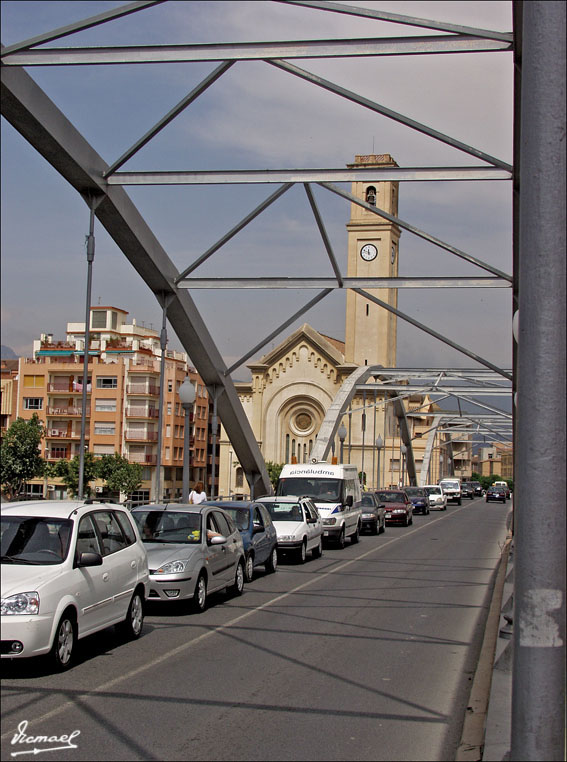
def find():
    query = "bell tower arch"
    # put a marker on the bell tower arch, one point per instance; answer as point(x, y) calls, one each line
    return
point(373, 250)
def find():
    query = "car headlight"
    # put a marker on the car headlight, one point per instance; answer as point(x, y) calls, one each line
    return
point(398, 510)
point(329, 522)
point(22, 603)
point(173, 567)
point(368, 516)
point(286, 538)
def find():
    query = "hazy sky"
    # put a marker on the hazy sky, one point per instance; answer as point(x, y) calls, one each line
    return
point(258, 117)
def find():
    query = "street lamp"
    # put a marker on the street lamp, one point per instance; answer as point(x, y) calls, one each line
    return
point(187, 396)
point(379, 445)
point(440, 467)
point(403, 450)
point(342, 432)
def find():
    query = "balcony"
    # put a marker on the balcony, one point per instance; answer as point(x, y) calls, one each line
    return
point(141, 412)
point(67, 387)
point(140, 435)
point(64, 434)
point(145, 367)
point(149, 390)
point(143, 459)
point(67, 412)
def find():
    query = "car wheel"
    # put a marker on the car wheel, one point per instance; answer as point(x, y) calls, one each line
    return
point(199, 600)
point(237, 587)
point(354, 538)
point(375, 527)
point(272, 562)
point(317, 551)
point(427, 511)
point(302, 553)
point(458, 502)
point(63, 649)
point(383, 527)
point(341, 540)
point(131, 627)
point(249, 568)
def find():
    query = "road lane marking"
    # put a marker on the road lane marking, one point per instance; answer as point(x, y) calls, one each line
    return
point(220, 628)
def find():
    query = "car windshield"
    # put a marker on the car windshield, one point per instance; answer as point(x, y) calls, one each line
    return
point(320, 490)
point(368, 501)
point(241, 517)
point(285, 511)
point(169, 526)
point(451, 485)
point(433, 490)
point(390, 497)
point(35, 540)
point(415, 492)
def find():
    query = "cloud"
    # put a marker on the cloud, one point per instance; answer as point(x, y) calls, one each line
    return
point(258, 116)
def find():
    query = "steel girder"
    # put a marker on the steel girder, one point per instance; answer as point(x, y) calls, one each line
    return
point(39, 121)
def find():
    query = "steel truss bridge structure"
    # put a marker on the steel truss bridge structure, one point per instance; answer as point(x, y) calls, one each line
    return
point(537, 176)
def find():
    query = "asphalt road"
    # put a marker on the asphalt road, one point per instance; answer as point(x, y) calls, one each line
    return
point(364, 654)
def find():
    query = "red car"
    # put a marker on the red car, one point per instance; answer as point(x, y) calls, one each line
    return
point(399, 508)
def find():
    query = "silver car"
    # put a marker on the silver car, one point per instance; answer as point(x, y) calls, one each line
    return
point(193, 550)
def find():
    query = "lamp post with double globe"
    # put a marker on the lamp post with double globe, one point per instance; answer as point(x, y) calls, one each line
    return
point(187, 397)
point(379, 445)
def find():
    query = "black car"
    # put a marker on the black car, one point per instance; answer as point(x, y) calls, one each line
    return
point(419, 498)
point(496, 493)
point(467, 490)
point(477, 488)
point(373, 513)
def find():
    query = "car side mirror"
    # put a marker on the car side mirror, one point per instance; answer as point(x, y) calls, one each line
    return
point(349, 501)
point(257, 528)
point(382, 505)
point(89, 559)
point(218, 539)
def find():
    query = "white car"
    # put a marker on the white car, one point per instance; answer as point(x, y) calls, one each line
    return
point(437, 498)
point(69, 569)
point(298, 525)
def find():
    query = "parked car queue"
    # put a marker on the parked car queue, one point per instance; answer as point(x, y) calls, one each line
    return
point(100, 563)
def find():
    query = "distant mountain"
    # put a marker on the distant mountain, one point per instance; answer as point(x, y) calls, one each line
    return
point(7, 354)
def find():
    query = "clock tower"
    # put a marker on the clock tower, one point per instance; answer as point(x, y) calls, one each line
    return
point(373, 241)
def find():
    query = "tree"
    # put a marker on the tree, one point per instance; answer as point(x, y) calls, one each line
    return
point(20, 454)
point(119, 474)
point(68, 472)
point(274, 470)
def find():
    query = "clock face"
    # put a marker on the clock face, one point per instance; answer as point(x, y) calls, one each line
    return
point(369, 252)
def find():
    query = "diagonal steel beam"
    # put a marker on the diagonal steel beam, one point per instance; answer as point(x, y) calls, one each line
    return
point(79, 26)
point(42, 124)
point(231, 233)
point(192, 96)
point(433, 333)
point(416, 231)
point(278, 330)
point(397, 18)
point(379, 109)
point(324, 235)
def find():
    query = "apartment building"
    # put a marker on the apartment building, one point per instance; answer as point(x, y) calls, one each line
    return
point(123, 392)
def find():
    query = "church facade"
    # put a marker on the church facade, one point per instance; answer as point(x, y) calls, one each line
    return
point(294, 384)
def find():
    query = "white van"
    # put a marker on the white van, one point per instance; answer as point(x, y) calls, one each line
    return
point(335, 490)
point(451, 486)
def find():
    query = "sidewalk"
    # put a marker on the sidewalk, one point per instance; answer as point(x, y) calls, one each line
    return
point(487, 727)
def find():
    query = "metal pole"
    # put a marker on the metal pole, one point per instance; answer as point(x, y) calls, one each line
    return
point(214, 425)
point(163, 345)
point(186, 454)
point(362, 479)
point(90, 259)
point(538, 681)
point(378, 471)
